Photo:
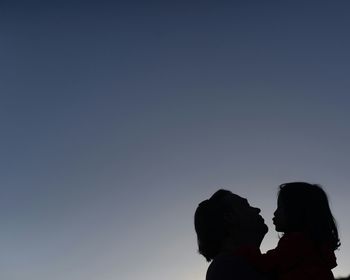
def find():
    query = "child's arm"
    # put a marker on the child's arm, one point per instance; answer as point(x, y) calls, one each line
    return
point(286, 255)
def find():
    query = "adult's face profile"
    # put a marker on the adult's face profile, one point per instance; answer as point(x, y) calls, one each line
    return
point(227, 218)
point(244, 217)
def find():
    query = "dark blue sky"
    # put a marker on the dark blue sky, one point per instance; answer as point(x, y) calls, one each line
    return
point(117, 119)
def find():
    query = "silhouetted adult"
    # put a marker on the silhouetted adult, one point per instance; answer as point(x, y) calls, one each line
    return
point(228, 229)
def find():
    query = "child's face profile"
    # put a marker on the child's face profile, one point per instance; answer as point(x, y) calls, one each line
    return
point(279, 219)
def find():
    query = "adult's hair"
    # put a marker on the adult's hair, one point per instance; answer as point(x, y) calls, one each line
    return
point(306, 209)
point(210, 224)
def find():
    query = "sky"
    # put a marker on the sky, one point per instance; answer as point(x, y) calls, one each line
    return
point(118, 117)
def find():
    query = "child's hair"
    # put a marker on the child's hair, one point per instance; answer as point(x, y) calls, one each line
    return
point(306, 209)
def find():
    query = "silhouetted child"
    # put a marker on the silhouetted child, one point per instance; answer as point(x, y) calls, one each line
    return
point(310, 235)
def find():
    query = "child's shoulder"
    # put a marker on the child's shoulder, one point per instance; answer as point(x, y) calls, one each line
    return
point(291, 236)
point(294, 240)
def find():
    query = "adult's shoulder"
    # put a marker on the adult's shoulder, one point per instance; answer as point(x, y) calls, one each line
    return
point(232, 267)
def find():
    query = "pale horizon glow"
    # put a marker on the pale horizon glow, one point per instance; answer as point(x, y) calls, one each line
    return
point(118, 118)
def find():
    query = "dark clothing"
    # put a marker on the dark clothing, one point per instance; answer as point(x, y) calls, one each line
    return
point(295, 258)
point(232, 267)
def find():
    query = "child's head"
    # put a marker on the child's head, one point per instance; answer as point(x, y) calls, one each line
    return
point(304, 207)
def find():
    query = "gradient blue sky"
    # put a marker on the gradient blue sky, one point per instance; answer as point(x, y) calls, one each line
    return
point(117, 119)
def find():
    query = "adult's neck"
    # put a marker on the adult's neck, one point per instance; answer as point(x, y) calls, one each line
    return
point(231, 244)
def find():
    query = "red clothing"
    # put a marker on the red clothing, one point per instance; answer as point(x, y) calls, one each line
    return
point(297, 258)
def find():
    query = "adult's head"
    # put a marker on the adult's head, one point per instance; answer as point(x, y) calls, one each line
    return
point(304, 207)
point(226, 218)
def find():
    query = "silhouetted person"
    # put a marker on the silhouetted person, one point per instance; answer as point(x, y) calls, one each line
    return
point(227, 227)
point(306, 249)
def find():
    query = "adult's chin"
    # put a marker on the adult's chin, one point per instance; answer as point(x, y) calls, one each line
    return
point(261, 232)
point(264, 228)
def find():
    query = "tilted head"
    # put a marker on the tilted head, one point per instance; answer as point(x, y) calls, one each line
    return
point(225, 215)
